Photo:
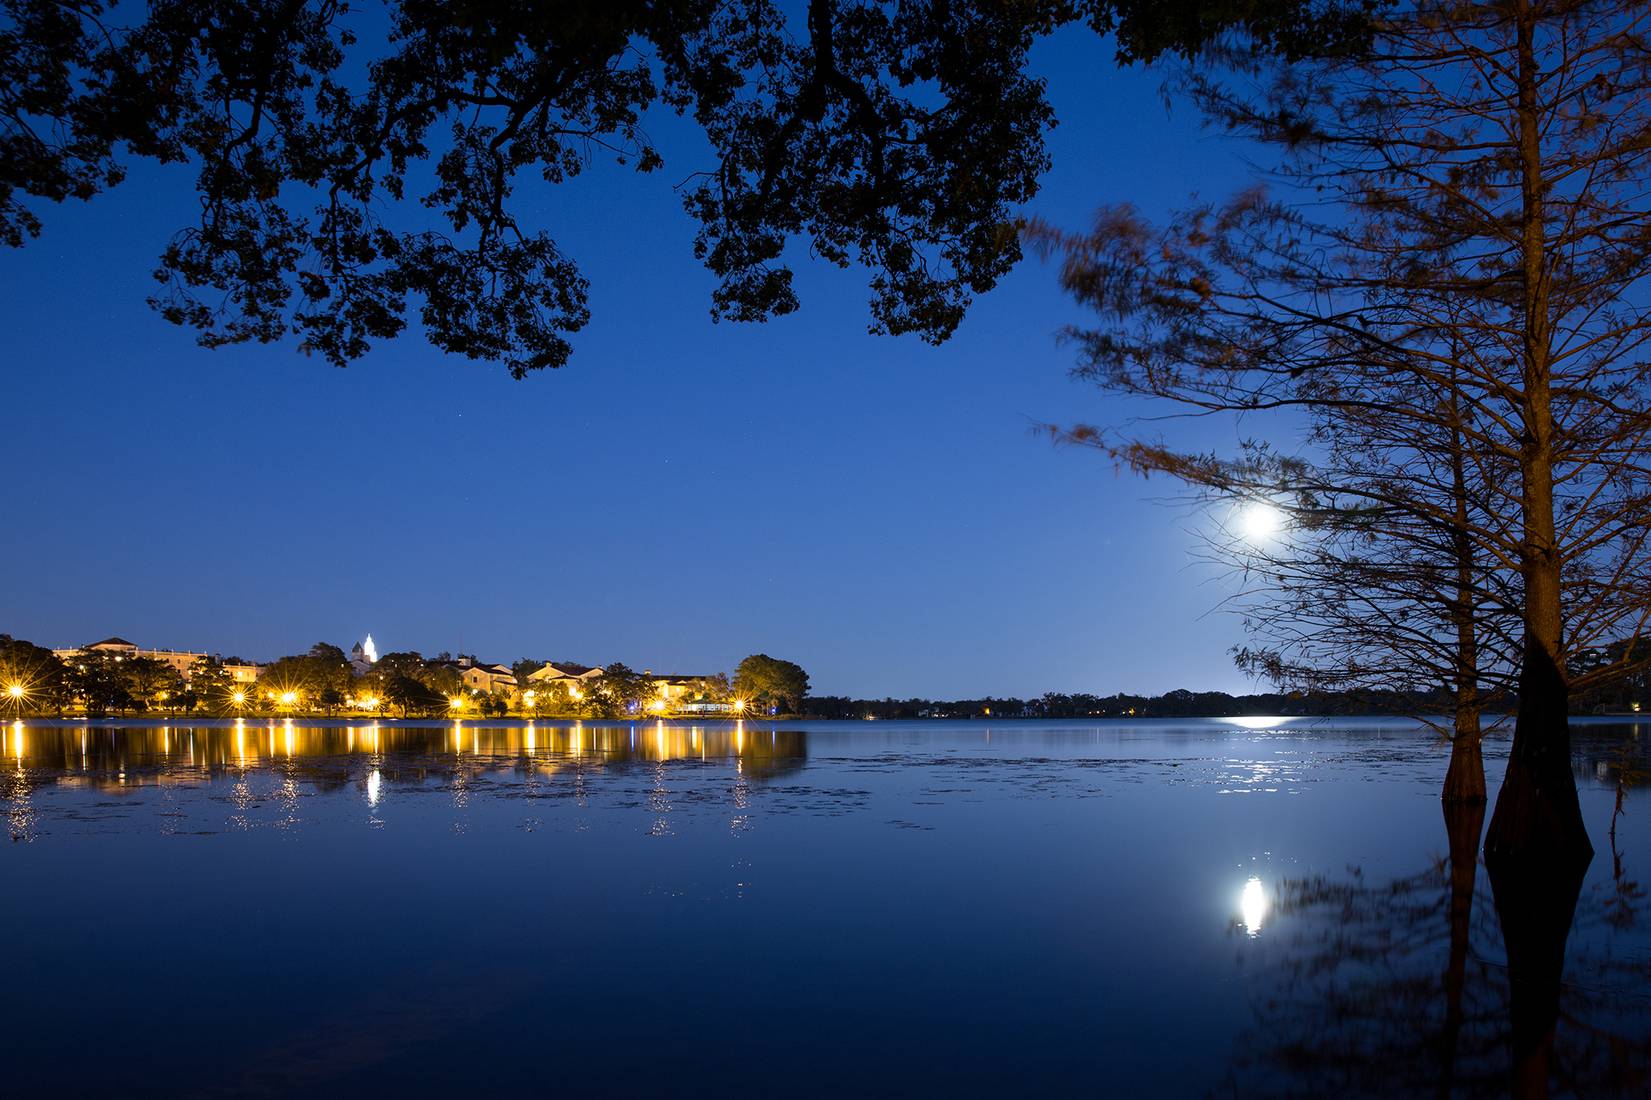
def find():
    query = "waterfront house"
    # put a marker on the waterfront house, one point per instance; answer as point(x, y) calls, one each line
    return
point(574, 675)
point(487, 678)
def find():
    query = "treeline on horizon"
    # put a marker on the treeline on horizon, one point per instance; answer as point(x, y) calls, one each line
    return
point(1183, 703)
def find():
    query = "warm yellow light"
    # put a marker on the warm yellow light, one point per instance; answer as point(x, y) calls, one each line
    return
point(372, 701)
point(528, 697)
point(239, 697)
point(288, 698)
point(739, 704)
point(16, 691)
point(456, 702)
point(657, 704)
point(575, 693)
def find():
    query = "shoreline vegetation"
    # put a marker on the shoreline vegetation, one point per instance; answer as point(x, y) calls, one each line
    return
point(115, 679)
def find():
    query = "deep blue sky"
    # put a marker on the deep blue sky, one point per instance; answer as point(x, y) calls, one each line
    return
point(679, 496)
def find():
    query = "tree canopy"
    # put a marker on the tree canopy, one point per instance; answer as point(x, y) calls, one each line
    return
point(899, 136)
point(772, 682)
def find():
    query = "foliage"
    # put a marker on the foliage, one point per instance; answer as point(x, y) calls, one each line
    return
point(1459, 269)
point(895, 135)
point(36, 671)
point(771, 683)
point(412, 696)
point(620, 690)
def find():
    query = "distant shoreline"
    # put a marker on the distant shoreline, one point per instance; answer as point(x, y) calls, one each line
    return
point(1494, 724)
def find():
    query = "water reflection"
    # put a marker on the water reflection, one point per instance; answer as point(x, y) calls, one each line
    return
point(1252, 906)
point(948, 888)
point(1431, 984)
point(115, 757)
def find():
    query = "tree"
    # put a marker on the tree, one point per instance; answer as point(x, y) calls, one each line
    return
point(716, 688)
point(400, 663)
point(95, 679)
point(1361, 570)
point(213, 686)
point(896, 135)
point(412, 696)
point(148, 681)
point(771, 682)
point(1487, 159)
point(620, 690)
point(32, 679)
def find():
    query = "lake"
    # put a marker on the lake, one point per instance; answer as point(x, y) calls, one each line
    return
point(1203, 907)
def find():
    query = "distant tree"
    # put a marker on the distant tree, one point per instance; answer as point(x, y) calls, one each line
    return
point(149, 682)
point(400, 663)
point(898, 135)
point(619, 691)
point(413, 696)
point(289, 674)
point(444, 678)
point(94, 678)
point(771, 682)
point(329, 674)
point(524, 668)
point(36, 672)
point(213, 686)
point(554, 698)
point(327, 653)
point(716, 688)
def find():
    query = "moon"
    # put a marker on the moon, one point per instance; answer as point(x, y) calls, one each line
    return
point(1259, 521)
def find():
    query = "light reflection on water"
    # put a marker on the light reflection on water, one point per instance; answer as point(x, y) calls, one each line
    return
point(1032, 906)
point(1252, 905)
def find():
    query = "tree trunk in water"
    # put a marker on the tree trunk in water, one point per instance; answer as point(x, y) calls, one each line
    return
point(1536, 810)
point(1463, 822)
point(1537, 814)
point(1465, 778)
point(1536, 897)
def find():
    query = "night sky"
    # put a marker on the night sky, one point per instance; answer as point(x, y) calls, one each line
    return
point(680, 495)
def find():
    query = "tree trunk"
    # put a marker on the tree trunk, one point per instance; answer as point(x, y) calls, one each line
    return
point(1537, 810)
point(1465, 778)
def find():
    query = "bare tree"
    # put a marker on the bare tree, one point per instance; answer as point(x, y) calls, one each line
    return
point(1466, 216)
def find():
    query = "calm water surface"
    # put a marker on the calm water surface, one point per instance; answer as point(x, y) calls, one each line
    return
point(1222, 907)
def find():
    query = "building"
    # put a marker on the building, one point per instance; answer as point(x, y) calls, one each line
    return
point(684, 694)
point(574, 675)
point(119, 649)
point(363, 656)
point(243, 672)
point(488, 678)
